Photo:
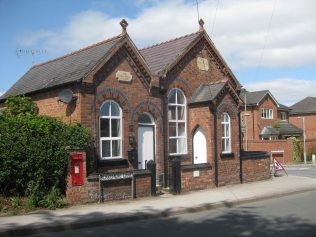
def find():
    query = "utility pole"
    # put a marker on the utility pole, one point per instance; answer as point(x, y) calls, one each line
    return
point(304, 137)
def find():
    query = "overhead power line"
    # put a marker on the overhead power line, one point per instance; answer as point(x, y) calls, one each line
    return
point(267, 33)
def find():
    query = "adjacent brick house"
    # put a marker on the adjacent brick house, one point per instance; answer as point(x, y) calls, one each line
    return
point(266, 125)
point(174, 100)
point(306, 109)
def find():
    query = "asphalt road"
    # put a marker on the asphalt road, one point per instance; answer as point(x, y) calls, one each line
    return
point(289, 216)
point(306, 172)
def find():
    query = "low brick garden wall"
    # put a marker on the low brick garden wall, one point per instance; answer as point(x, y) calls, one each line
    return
point(118, 189)
point(255, 166)
point(196, 177)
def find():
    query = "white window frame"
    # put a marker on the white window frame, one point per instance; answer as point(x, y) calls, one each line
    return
point(110, 138)
point(266, 113)
point(283, 116)
point(225, 136)
point(177, 121)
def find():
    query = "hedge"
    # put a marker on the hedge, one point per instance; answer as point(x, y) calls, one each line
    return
point(33, 153)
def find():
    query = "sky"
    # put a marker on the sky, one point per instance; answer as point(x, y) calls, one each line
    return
point(268, 44)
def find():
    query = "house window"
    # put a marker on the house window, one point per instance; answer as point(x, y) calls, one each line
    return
point(177, 122)
point(283, 116)
point(267, 113)
point(110, 130)
point(226, 138)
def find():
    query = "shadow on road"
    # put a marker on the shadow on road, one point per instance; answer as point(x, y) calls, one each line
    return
point(244, 221)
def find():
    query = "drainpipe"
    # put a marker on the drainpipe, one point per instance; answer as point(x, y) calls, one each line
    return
point(213, 109)
point(164, 100)
point(240, 141)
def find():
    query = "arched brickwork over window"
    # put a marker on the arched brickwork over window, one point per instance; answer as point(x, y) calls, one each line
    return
point(122, 101)
point(151, 108)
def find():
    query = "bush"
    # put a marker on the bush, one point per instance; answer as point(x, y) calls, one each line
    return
point(33, 158)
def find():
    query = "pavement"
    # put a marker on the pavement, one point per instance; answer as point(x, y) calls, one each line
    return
point(165, 205)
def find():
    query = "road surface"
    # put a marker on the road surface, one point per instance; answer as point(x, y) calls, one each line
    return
point(289, 216)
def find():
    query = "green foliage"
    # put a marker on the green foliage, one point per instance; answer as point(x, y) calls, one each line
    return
point(277, 125)
point(296, 148)
point(16, 202)
point(19, 105)
point(33, 156)
point(53, 199)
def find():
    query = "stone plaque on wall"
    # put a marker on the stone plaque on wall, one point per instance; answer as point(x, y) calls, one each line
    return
point(202, 64)
point(124, 76)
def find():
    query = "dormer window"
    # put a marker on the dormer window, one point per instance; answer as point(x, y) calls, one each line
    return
point(267, 113)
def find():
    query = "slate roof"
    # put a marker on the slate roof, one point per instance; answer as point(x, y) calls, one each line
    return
point(207, 92)
point(289, 129)
point(305, 106)
point(268, 131)
point(75, 66)
point(160, 56)
point(284, 107)
point(283, 128)
point(69, 68)
point(255, 97)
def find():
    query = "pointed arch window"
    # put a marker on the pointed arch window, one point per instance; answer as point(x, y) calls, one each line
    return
point(177, 122)
point(226, 134)
point(110, 130)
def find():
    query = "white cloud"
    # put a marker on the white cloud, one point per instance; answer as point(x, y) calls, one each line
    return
point(239, 31)
point(287, 91)
point(1, 93)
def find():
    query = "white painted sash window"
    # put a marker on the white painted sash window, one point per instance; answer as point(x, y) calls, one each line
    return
point(267, 113)
point(226, 135)
point(110, 130)
point(177, 122)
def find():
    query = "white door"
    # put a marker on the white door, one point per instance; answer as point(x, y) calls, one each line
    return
point(145, 145)
point(199, 147)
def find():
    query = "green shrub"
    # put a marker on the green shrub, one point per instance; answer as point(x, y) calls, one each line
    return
point(53, 199)
point(20, 105)
point(33, 155)
point(16, 202)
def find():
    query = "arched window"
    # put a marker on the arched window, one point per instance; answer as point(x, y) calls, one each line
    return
point(110, 130)
point(226, 135)
point(177, 122)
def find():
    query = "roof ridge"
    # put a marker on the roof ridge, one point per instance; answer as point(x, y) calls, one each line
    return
point(78, 51)
point(168, 41)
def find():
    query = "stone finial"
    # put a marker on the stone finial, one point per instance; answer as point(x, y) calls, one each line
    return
point(124, 25)
point(201, 23)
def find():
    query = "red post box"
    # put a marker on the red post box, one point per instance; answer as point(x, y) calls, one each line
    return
point(77, 169)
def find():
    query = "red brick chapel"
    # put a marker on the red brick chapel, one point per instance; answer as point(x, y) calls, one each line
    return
point(173, 101)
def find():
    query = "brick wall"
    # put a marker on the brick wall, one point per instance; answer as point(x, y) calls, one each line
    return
point(274, 145)
point(310, 124)
point(228, 165)
point(48, 104)
point(255, 169)
point(201, 117)
point(133, 97)
point(203, 181)
point(143, 185)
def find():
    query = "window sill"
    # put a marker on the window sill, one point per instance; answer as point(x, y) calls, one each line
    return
point(181, 156)
point(229, 155)
point(196, 166)
point(112, 162)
